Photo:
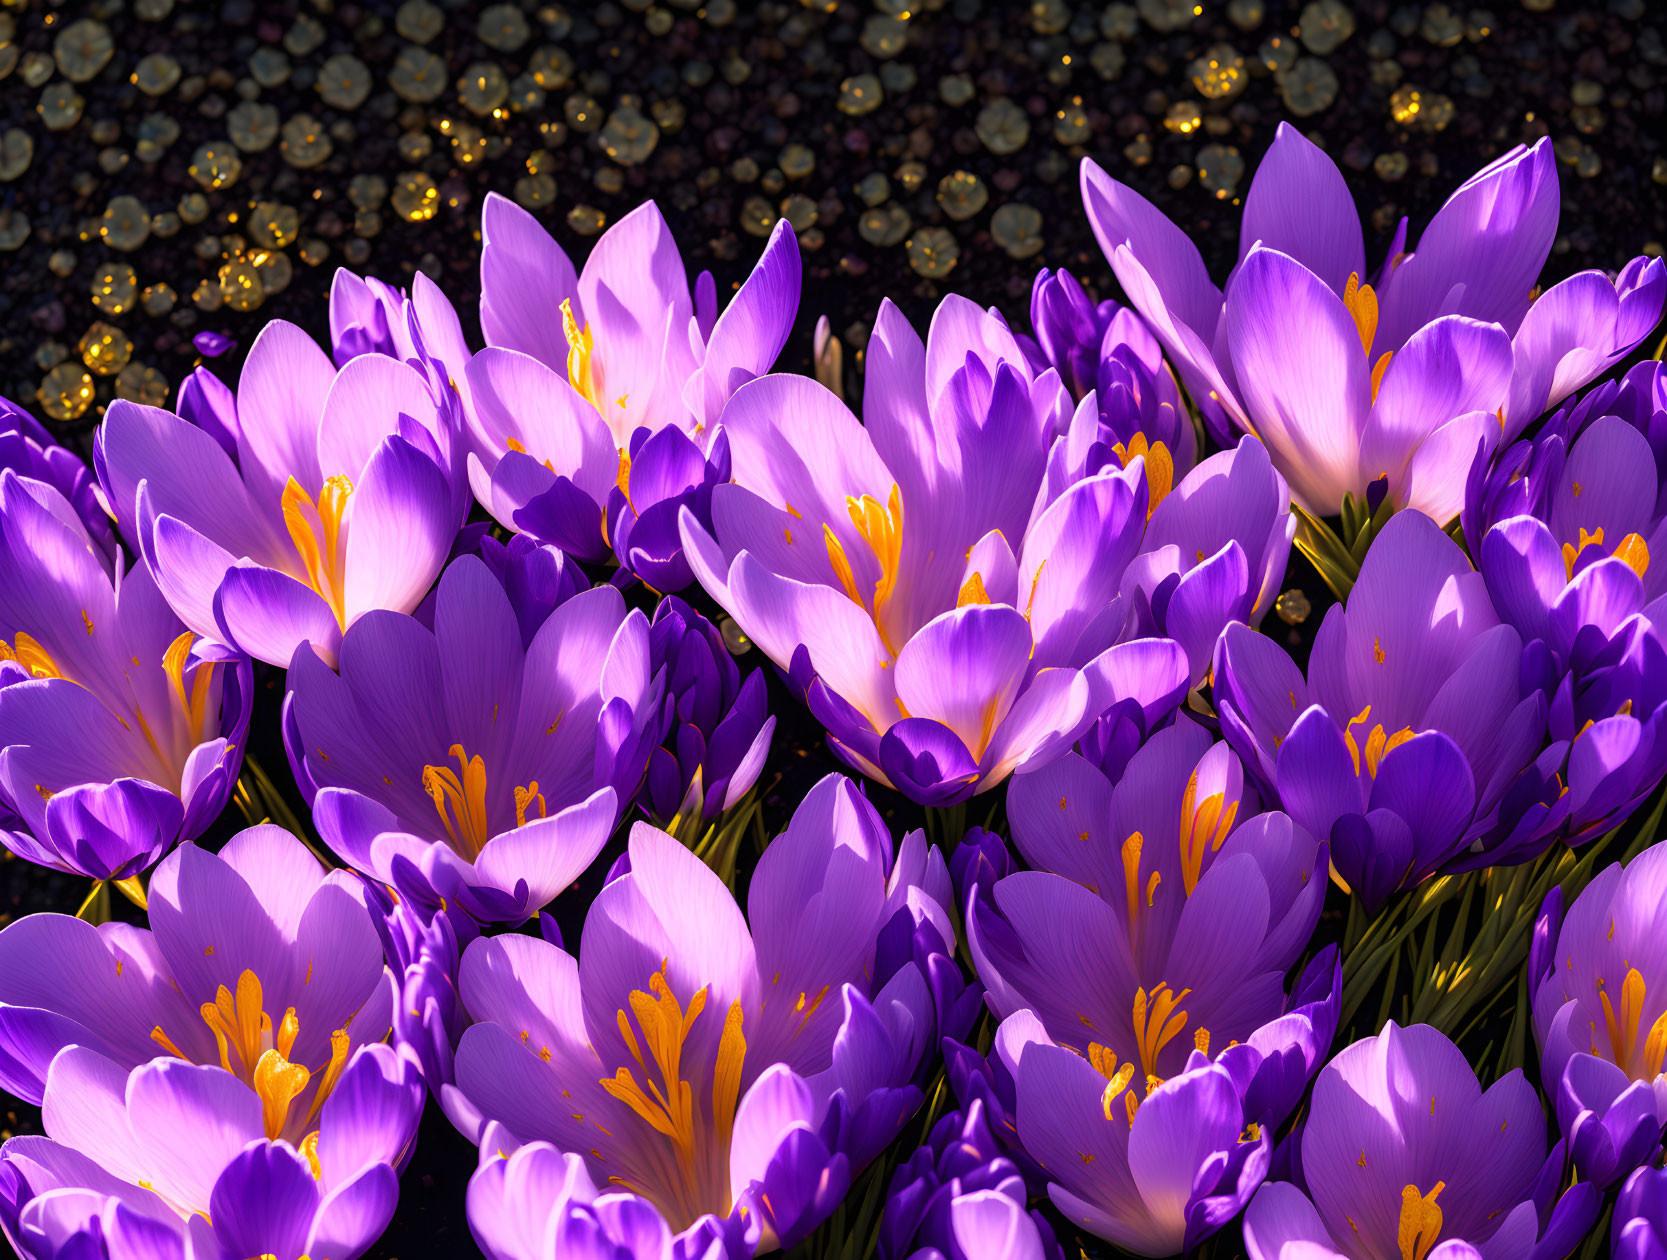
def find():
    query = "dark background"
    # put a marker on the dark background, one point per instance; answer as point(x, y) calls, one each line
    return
point(167, 168)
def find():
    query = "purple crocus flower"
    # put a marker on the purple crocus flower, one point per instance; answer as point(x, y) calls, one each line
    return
point(1404, 1154)
point(529, 1201)
point(176, 1161)
point(959, 1198)
point(736, 1071)
point(1599, 986)
point(1348, 382)
point(1155, 927)
point(578, 364)
point(663, 472)
point(1106, 349)
point(459, 764)
point(1638, 1229)
point(424, 948)
point(720, 736)
point(256, 961)
point(28, 450)
point(942, 617)
point(338, 496)
point(624, 331)
point(120, 733)
point(1413, 722)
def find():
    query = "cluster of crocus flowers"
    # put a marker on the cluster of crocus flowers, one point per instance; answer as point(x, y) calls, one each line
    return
point(735, 1070)
point(1139, 972)
point(1036, 567)
point(1562, 528)
point(121, 731)
point(946, 579)
point(218, 1081)
point(1350, 378)
point(1599, 991)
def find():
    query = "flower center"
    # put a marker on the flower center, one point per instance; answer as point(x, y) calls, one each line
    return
point(1160, 467)
point(700, 1145)
point(882, 529)
point(1632, 550)
point(316, 531)
point(1420, 1225)
point(1378, 744)
point(459, 798)
point(252, 1051)
point(581, 358)
point(1622, 1027)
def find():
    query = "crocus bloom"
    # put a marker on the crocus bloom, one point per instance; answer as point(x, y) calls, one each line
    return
point(256, 961)
point(1638, 1229)
point(711, 756)
point(577, 363)
point(120, 733)
point(176, 1161)
point(1404, 1154)
point(529, 1201)
point(424, 949)
point(1153, 928)
point(1599, 987)
point(1348, 382)
point(959, 1198)
point(624, 331)
point(29, 451)
point(339, 498)
point(944, 620)
point(1413, 721)
point(736, 1071)
point(458, 764)
point(1106, 349)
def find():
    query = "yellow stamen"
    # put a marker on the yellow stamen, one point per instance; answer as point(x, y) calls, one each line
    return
point(1206, 824)
point(340, 1044)
point(1420, 1224)
point(1131, 874)
point(1157, 1020)
point(279, 1083)
point(654, 1034)
point(193, 706)
point(309, 1148)
point(881, 527)
point(581, 350)
point(460, 801)
point(623, 480)
point(1378, 369)
point(1160, 467)
point(972, 592)
point(1362, 305)
point(726, 1073)
point(31, 655)
point(1378, 743)
point(1117, 1078)
point(525, 796)
point(316, 530)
